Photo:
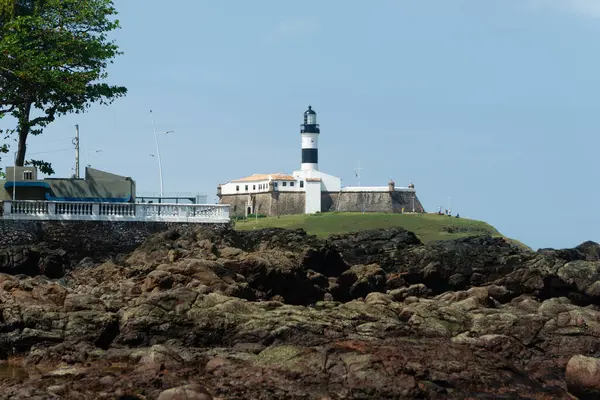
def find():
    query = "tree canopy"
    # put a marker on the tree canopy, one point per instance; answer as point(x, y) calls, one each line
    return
point(53, 60)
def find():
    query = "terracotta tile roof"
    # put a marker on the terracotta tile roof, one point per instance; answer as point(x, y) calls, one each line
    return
point(313, 179)
point(264, 177)
point(282, 177)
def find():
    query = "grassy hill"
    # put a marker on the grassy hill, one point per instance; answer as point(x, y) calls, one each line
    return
point(427, 227)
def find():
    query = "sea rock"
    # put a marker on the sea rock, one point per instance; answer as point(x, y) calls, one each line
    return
point(277, 313)
point(583, 377)
point(187, 392)
point(359, 281)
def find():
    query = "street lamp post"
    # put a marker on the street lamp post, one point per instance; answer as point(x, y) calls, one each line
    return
point(160, 174)
point(14, 196)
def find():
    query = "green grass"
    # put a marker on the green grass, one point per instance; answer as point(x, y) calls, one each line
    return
point(427, 227)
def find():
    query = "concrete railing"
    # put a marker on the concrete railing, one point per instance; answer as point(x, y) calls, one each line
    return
point(81, 211)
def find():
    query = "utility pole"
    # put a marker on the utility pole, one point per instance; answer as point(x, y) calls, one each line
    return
point(14, 196)
point(76, 143)
point(357, 172)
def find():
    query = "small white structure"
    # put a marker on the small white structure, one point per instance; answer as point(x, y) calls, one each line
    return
point(116, 212)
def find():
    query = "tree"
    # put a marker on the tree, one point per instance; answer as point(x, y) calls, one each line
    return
point(53, 60)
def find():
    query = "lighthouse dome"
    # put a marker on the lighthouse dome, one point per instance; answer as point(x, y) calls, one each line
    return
point(310, 111)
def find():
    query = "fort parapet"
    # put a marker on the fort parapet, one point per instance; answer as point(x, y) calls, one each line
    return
point(275, 203)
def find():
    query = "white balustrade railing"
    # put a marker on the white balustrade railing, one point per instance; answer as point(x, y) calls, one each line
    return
point(82, 211)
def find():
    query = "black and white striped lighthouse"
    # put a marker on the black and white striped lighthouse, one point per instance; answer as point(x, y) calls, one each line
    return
point(310, 141)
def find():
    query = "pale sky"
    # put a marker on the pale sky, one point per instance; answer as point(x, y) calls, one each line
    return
point(490, 106)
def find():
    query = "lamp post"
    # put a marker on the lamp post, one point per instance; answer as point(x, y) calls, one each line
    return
point(14, 196)
point(160, 175)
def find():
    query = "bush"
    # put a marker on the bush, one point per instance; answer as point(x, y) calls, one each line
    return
point(256, 216)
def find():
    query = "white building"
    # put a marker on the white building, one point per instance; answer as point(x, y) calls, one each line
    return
point(308, 180)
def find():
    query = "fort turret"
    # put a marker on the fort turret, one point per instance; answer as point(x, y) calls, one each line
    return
point(391, 185)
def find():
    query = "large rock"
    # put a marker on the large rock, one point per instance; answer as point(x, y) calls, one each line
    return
point(32, 260)
point(385, 247)
point(187, 392)
point(583, 377)
point(359, 281)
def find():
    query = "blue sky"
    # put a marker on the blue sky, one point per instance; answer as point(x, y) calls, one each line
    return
point(487, 105)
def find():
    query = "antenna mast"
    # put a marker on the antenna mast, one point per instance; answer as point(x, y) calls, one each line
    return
point(76, 143)
point(357, 172)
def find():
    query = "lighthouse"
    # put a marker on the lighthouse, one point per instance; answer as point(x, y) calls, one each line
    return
point(310, 141)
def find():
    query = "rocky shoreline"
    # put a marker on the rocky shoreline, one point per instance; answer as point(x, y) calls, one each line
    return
point(212, 313)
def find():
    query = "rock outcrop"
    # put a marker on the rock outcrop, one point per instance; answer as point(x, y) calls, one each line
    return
point(211, 313)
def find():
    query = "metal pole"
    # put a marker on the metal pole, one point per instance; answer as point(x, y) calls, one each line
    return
point(158, 156)
point(76, 151)
point(14, 196)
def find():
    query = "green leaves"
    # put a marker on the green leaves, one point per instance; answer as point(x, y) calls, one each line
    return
point(53, 59)
point(43, 166)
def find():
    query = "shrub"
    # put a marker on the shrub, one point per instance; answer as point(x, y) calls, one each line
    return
point(256, 216)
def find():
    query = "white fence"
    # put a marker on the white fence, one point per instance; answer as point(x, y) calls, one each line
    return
point(148, 212)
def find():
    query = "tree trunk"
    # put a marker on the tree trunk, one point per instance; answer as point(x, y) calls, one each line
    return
point(23, 130)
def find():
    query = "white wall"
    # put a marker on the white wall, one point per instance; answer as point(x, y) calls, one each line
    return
point(329, 183)
point(313, 197)
point(253, 187)
point(287, 187)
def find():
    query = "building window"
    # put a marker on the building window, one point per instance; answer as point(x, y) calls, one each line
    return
point(253, 187)
point(27, 175)
point(284, 183)
point(301, 184)
point(237, 188)
point(291, 183)
point(246, 188)
point(275, 184)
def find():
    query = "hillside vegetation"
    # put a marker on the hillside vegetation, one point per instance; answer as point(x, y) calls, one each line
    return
point(427, 227)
